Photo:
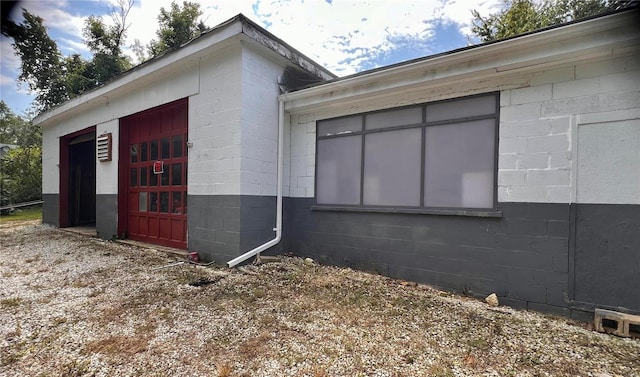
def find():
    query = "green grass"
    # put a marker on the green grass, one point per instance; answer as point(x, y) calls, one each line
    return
point(26, 214)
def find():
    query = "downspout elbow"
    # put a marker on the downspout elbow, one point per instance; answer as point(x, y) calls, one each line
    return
point(278, 227)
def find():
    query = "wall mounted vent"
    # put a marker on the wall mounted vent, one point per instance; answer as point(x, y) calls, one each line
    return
point(103, 145)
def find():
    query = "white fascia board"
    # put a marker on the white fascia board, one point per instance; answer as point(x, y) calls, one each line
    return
point(580, 41)
point(272, 44)
point(143, 74)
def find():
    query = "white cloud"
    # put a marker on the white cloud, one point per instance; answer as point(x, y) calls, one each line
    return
point(345, 36)
point(340, 36)
point(459, 11)
point(9, 60)
point(55, 17)
point(70, 46)
point(6, 80)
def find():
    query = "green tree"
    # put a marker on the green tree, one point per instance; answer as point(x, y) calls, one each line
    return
point(177, 26)
point(41, 62)
point(20, 168)
point(105, 43)
point(522, 16)
point(17, 130)
point(21, 175)
point(55, 79)
point(78, 75)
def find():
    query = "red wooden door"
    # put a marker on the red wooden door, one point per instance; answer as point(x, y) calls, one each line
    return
point(157, 175)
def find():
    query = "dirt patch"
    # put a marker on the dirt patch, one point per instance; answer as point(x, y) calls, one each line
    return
point(73, 305)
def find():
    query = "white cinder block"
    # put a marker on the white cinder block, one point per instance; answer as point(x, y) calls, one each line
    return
point(560, 160)
point(311, 128)
point(553, 76)
point(576, 88)
point(605, 67)
point(505, 98)
point(560, 125)
point(552, 143)
point(559, 194)
point(537, 127)
point(548, 178)
point(593, 104)
point(297, 192)
point(304, 118)
point(531, 94)
point(311, 171)
point(504, 194)
point(305, 181)
point(512, 177)
point(523, 194)
point(512, 144)
point(535, 160)
point(309, 192)
point(620, 81)
point(508, 161)
point(520, 112)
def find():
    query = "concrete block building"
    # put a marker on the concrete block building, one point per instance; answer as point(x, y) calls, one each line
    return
point(510, 167)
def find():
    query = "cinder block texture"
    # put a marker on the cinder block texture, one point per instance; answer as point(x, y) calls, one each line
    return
point(303, 158)
point(107, 216)
point(606, 255)
point(521, 257)
point(222, 227)
point(537, 130)
point(51, 209)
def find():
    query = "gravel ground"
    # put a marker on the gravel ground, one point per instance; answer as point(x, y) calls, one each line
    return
point(72, 305)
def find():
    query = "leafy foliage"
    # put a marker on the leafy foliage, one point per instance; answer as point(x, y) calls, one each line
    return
point(21, 175)
point(522, 16)
point(20, 168)
point(17, 130)
point(53, 78)
point(42, 67)
point(105, 42)
point(177, 26)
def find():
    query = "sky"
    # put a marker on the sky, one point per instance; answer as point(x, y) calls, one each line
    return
point(344, 36)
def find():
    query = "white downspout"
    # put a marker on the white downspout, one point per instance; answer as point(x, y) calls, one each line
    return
point(278, 228)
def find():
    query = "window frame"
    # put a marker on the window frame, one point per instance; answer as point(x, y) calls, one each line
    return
point(421, 209)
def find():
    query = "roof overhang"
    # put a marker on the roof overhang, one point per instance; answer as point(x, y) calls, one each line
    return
point(588, 40)
point(235, 30)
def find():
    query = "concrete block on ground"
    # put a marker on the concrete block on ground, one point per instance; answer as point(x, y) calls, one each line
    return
point(617, 323)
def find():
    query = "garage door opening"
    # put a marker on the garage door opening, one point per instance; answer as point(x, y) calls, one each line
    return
point(78, 179)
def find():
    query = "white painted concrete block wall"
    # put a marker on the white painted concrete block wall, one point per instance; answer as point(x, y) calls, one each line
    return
point(107, 171)
point(50, 161)
point(214, 126)
point(233, 123)
point(258, 139)
point(538, 127)
point(303, 156)
point(537, 122)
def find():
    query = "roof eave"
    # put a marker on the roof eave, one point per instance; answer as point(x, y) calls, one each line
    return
point(586, 39)
point(234, 29)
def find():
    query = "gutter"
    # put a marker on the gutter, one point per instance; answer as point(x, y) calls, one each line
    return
point(278, 228)
point(596, 32)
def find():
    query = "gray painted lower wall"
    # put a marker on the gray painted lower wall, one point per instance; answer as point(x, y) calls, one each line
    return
point(546, 257)
point(107, 216)
point(522, 256)
point(606, 258)
point(51, 209)
point(222, 227)
point(257, 220)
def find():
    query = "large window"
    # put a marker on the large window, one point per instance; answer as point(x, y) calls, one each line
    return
point(436, 155)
